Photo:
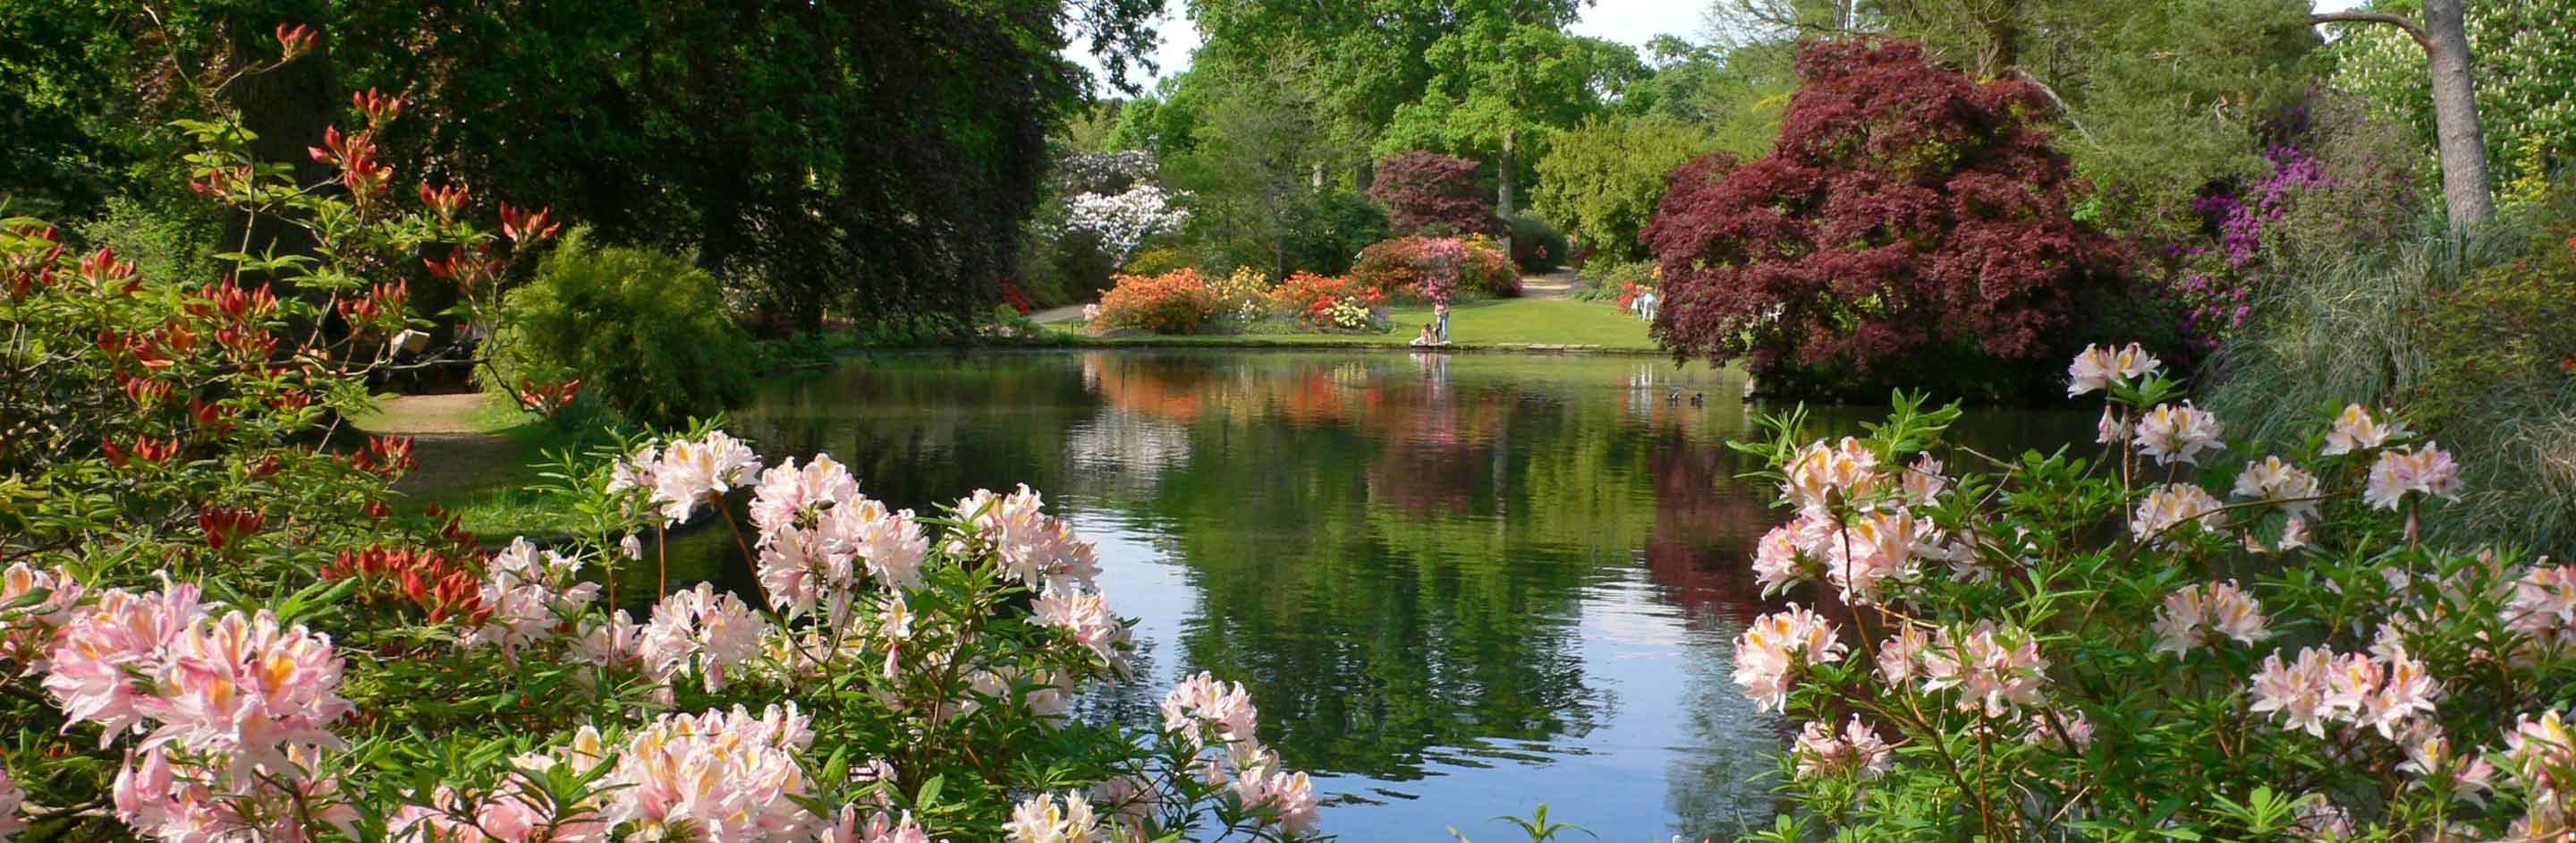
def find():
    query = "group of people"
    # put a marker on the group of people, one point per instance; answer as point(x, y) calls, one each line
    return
point(1436, 331)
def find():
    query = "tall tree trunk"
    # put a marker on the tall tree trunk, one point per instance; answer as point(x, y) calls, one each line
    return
point(2444, 35)
point(2455, 116)
point(1505, 200)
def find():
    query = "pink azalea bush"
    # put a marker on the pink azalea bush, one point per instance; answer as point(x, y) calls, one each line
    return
point(2167, 630)
point(216, 626)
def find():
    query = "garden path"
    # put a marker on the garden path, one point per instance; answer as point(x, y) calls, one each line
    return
point(1553, 285)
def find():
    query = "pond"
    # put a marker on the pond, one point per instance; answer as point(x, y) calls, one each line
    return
point(1458, 586)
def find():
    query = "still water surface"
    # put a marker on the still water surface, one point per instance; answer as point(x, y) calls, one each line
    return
point(1457, 586)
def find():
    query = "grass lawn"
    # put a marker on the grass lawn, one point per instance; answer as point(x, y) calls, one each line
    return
point(1481, 324)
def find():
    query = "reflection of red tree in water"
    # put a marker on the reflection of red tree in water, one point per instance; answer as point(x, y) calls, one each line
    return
point(1706, 521)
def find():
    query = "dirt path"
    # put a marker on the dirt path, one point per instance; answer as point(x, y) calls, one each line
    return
point(414, 415)
point(1054, 315)
point(1554, 285)
point(453, 453)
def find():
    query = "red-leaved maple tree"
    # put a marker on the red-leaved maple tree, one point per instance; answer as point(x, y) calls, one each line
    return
point(1430, 192)
point(1910, 226)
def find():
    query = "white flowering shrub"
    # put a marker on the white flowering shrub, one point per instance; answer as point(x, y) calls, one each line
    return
point(1122, 222)
point(2174, 637)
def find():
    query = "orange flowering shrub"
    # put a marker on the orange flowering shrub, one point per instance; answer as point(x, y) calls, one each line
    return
point(1176, 302)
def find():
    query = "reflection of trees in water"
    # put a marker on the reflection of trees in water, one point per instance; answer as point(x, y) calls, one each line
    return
point(1715, 785)
point(1124, 452)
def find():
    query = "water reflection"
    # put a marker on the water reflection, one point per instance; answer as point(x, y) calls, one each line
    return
point(1458, 586)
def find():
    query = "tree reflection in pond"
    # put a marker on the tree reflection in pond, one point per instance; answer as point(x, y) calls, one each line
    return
point(1458, 585)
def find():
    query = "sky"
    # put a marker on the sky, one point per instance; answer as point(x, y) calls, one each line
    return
point(1629, 22)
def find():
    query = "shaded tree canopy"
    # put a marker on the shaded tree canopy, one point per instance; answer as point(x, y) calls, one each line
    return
point(872, 154)
point(1907, 219)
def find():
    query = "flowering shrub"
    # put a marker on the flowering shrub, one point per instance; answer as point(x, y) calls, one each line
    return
point(1176, 302)
point(1436, 268)
point(2070, 644)
point(1122, 222)
point(1243, 295)
point(215, 627)
point(1328, 301)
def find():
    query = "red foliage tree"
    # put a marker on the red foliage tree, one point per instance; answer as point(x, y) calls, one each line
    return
point(1909, 225)
point(1430, 191)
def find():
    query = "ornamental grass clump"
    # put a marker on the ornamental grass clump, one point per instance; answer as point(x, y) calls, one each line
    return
point(2165, 629)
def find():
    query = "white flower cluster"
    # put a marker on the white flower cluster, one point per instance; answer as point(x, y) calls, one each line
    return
point(1123, 221)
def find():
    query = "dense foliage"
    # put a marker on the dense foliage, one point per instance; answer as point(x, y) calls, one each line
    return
point(873, 156)
point(2466, 327)
point(1909, 220)
point(1600, 181)
point(644, 330)
point(1427, 192)
point(2524, 58)
point(2067, 644)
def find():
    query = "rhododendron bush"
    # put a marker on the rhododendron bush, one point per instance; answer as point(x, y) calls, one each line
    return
point(214, 625)
point(1437, 269)
point(1175, 302)
point(2165, 630)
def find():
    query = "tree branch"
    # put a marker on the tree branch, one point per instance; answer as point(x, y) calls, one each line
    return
point(2400, 21)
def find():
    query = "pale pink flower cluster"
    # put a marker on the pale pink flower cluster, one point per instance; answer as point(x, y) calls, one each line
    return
point(1858, 751)
point(11, 796)
point(2425, 470)
point(2384, 692)
point(2173, 434)
point(2169, 505)
point(1846, 470)
point(239, 688)
point(1862, 561)
point(1994, 668)
point(1208, 712)
point(2540, 754)
point(532, 595)
point(725, 777)
point(685, 473)
point(1130, 800)
point(2197, 615)
point(1923, 482)
point(701, 631)
point(2112, 430)
point(515, 812)
point(1203, 707)
point(1034, 547)
point(2282, 483)
point(27, 632)
point(2356, 430)
point(1774, 646)
point(2097, 368)
point(166, 799)
point(2542, 604)
point(1784, 556)
point(2432, 760)
point(817, 533)
point(1084, 616)
point(1048, 818)
point(1900, 657)
point(2044, 732)
point(873, 826)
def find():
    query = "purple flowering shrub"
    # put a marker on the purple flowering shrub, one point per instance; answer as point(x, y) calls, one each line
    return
point(2212, 638)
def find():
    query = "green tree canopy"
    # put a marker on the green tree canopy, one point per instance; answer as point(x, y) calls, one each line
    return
point(1600, 180)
